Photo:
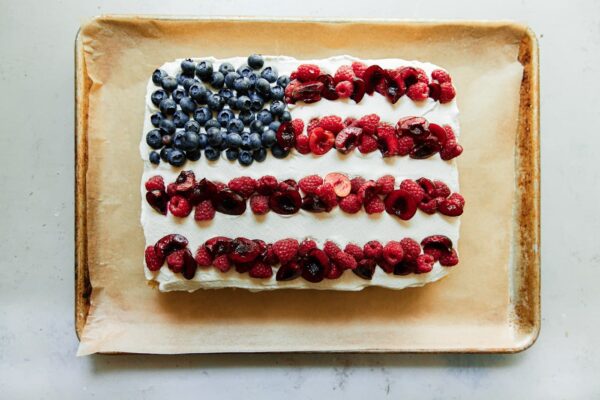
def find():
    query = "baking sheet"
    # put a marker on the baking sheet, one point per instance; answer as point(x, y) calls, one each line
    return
point(478, 307)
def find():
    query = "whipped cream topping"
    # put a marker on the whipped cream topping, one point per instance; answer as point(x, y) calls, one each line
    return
point(336, 225)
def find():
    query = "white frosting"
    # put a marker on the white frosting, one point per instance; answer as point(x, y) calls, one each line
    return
point(337, 225)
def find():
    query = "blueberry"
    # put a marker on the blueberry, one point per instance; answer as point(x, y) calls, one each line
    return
point(178, 139)
point(233, 140)
point(278, 151)
point(176, 158)
point(277, 92)
point(260, 155)
point(268, 138)
point(167, 126)
point(212, 154)
point(246, 116)
point(169, 83)
point(192, 126)
point(212, 123)
point(202, 115)
point(246, 141)
point(193, 155)
point(168, 106)
point(283, 81)
point(265, 117)
point(164, 153)
point(235, 125)
point(191, 141)
point(217, 80)
point(226, 68)
point(202, 141)
point(199, 92)
point(189, 82)
point(154, 139)
point(214, 136)
point(275, 125)
point(255, 141)
point(223, 144)
point(225, 116)
point(154, 157)
point(156, 118)
point(270, 74)
point(256, 126)
point(277, 107)
point(230, 79)
point(244, 70)
point(256, 61)
point(263, 86)
point(253, 78)
point(204, 70)
point(226, 94)
point(232, 102)
point(285, 117)
point(166, 140)
point(245, 157)
point(244, 103)
point(158, 96)
point(232, 154)
point(178, 94)
point(257, 102)
point(157, 76)
point(180, 78)
point(187, 105)
point(241, 85)
point(180, 118)
point(188, 66)
point(215, 102)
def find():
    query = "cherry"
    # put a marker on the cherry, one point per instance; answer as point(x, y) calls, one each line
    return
point(158, 200)
point(185, 181)
point(229, 202)
point(347, 139)
point(189, 265)
point(425, 148)
point(360, 88)
point(285, 202)
point(328, 91)
point(309, 92)
point(218, 245)
point(315, 266)
point(436, 245)
point(289, 271)
point(170, 243)
point(203, 190)
point(405, 267)
point(285, 136)
point(314, 204)
point(412, 126)
point(243, 250)
point(401, 204)
point(373, 76)
point(365, 268)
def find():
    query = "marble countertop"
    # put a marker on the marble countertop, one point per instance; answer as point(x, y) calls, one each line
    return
point(37, 340)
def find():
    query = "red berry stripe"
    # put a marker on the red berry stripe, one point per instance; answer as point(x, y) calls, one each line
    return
point(312, 193)
point(412, 136)
point(301, 259)
point(310, 84)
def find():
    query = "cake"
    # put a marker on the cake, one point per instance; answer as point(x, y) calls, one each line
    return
point(269, 172)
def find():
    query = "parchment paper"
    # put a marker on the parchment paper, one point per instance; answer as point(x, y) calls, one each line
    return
point(469, 308)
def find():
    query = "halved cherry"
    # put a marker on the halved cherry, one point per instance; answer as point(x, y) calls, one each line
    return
point(359, 90)
point(203, 190)
point(320, 141)
point(158, 200)
point(315, 266)
point(286, 136)
point(401, 204)
point(285, 202)
point(185, 181)
point(218, 245)
point(436, 245)
point(289, 271)
point(405, 268)
point(347, 139)
point(189, 265)
point(412, 126)
point(309, 92)
point(373, 76)
point(229, 202)
point(313, 203)
point(340, 182)
point(170, 243)
point(425, 149)
point(328, 91)
point(365, 268)
point(243, 250)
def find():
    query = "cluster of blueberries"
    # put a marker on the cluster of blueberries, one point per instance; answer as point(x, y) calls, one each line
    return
point(236, 111)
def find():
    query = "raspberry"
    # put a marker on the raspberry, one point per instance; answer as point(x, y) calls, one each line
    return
point(266, 184)
point(334, 271)
point(179, 206)
point(312, 124)
point(244, 186)
point(415, 190)
point(309, 184)
point(344, 73)
point(203, 257)
point(369, 123)
point(355, 251)
point(368, 144)
point(320, 141)
point(287, 185)
point(351, 204)
point(331, 249)
point(440, 75)
point(405, 145)
point(385, 184)
point(411, 249)
point(449, 133)
point(308, 72)
point(350, 121)
point(204, 211)
point(451, 150)
point(359, 69)
point(393, 252)
point(374, 205)
point(175, 261)
point(449, 259)
point(441, 189)
point(344, 260)
point(155, 183)
point(222, 263)
point(384, 129)
point(373, 249)
point(447, 92)
point(326, 193)
point(458, 198)
point(154, 260)
point(422, 76)
point(260, 270)
point(306, 246)
point(297, 126)
point(220, 185)
point(259, 204)
point(386, 266)
point(356, 183)
point(285, 250)
point(424, 263)
point(428, 207)
point(172, 189)
point(302, 144)
point(418, 92)
point(344, 89)
point(331, 123)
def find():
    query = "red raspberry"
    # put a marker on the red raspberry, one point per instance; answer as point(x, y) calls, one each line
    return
point(331, 123)
point(405, 145)
point(331, 248)
point(285, 250)
point(369, 123)
point(385, 184)
point(344, 260)
point(418, 92)
point(374, 205)
point(441, 189)
point(449, 259)
point(289, 89)
point(359, 69)
point(422, 76)
point(259, 204)
point(297, 126)
point(393, 252)
point(302, 144)
point(447, 92)
point(326, 193)
point(220, 185)
point(411, 249)
point(458, 198)
point(204, 211)
point(266, 184)
point(309, 184)
point(385, 266)
point(368, 144)
point(344, 73)
point(351, 204)
point(451, 150)
point(415, 190)
point(424, 263)
point(356, 183)
point(344, 89)
point(312, 124)
point(287, 184)
point(334, 271)
point(155, 183)
point(260, 270)
point(451, 208)
point(449, 133)
point(154, 260)
point(222, 263)
point(384, 129)
point(308, 72)
point(355, 251)
point(175, 261)
point(440, 75)
point(306, 246)
point(244, 186)
point(320, 141)
point(429, 206)
point(179, 206)
point(172, 189)
point(373, 249)
point(203, 257)
point(350, 121)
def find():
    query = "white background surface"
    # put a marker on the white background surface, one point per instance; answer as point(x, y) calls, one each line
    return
point(37, 340)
